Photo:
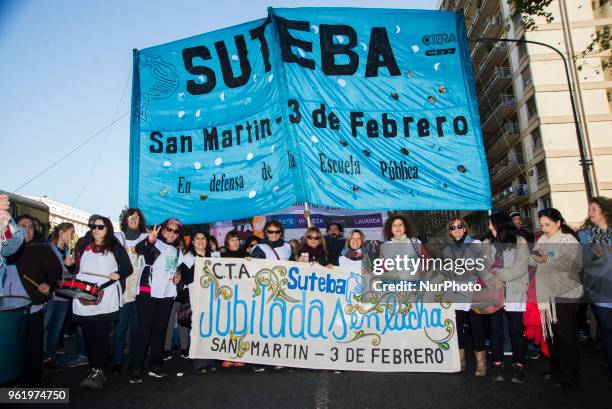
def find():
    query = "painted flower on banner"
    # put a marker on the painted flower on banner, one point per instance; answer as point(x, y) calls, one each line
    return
point(167, 164)
point(252, 194)
point(197, 165)
point(218, 161)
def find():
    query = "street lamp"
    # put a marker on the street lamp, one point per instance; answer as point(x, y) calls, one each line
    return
point(584, 163)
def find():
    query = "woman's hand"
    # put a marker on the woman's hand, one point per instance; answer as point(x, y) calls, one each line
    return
point(540, 259)
point(114, 276)
point(44, 288)
point(69, 261)
point(153, 234)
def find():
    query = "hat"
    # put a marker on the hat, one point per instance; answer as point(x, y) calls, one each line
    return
point(514, 214)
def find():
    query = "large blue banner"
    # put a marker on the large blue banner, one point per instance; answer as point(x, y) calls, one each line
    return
point(352, 108)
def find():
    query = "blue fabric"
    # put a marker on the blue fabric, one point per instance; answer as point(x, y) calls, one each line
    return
point(128, 323)
point(9, 248)
point(54, 321)
point(352, 108)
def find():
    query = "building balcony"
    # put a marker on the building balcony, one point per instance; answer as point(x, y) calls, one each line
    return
point(487, 7)
point(492, 28)
point(504, 140)
point(542, 181)
point(512, 195)
point(497, 82)
point(495, 56)
point(498, 112)
point(506, 168)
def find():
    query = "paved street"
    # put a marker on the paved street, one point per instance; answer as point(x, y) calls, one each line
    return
point(235, 388)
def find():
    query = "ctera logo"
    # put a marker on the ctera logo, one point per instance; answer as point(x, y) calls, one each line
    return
point(440, 51)
point(439, 39)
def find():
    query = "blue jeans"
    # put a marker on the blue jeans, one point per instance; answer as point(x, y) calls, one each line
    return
point(128, 320)
point(54, 320)
point(603, 316)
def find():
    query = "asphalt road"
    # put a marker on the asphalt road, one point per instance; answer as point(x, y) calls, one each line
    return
point(239, 388)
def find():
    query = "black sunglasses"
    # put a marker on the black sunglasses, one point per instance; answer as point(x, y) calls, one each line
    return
point(458, 226)
point(313, 238)
point(273, 231)
point(97, 226)
point(171, 230)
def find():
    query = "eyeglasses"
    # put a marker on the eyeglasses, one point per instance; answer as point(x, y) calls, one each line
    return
point(273, 231)
point(98, 226)
point(456, 227)
point(171, 230)
point(317, 238)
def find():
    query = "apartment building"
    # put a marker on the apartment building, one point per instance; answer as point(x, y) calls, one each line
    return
point(525, 109)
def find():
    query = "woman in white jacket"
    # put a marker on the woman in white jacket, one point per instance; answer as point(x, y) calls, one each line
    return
point(103, 261)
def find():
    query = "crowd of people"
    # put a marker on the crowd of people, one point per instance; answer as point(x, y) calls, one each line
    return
point(535, 283)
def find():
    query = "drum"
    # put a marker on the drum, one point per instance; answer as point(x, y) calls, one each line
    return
point(79, 289)
point(14, 315)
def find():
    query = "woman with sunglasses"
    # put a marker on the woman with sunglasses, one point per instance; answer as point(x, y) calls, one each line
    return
point(312, 248)
point(272, 247)
point(463, 248)
point(250, 243)
point(156, 292)
point(104, 262)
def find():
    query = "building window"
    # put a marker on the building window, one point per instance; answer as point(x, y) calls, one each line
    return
point(532, 109)
point(526, 78)
point(522, 50)
point(546, 203)
point(541, 174)
point(516, 21)
point(536, 140)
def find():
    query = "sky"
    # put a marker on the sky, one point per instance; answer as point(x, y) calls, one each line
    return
point(65, 77)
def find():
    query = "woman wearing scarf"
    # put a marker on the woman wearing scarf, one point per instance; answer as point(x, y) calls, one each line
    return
point(596, 239)
point(232, 250)
point(156, 292)
point(353, 253)
point(508, 259)
point(464, 247)
point(133, 231)
point(558, 258)
point(313, 249)
point(273, 247)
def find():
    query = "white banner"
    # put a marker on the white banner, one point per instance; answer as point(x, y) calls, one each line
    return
point(308, 316)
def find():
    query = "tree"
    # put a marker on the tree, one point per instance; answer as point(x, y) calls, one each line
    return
point(600, 40)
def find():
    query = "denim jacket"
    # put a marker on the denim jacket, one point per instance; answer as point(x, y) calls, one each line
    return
point(9, 248)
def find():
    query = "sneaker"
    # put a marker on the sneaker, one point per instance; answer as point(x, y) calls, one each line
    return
point(60, 351)
point(259, 369)
point(518, 374)
point(157, 373)
point(533, 355)
point(211, 368)
point(498, 373)
point(167, 355)
point(227, 364)
point(546, 376)
point(49, 363)
point(200, 371)
point(80, 360)
point(136, 377)
point(185, 354)
point(94, 380)
point(117, 369)
point(278, 367)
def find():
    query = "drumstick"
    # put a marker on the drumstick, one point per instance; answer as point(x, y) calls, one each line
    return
point(34, 283)
point(97, 275)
